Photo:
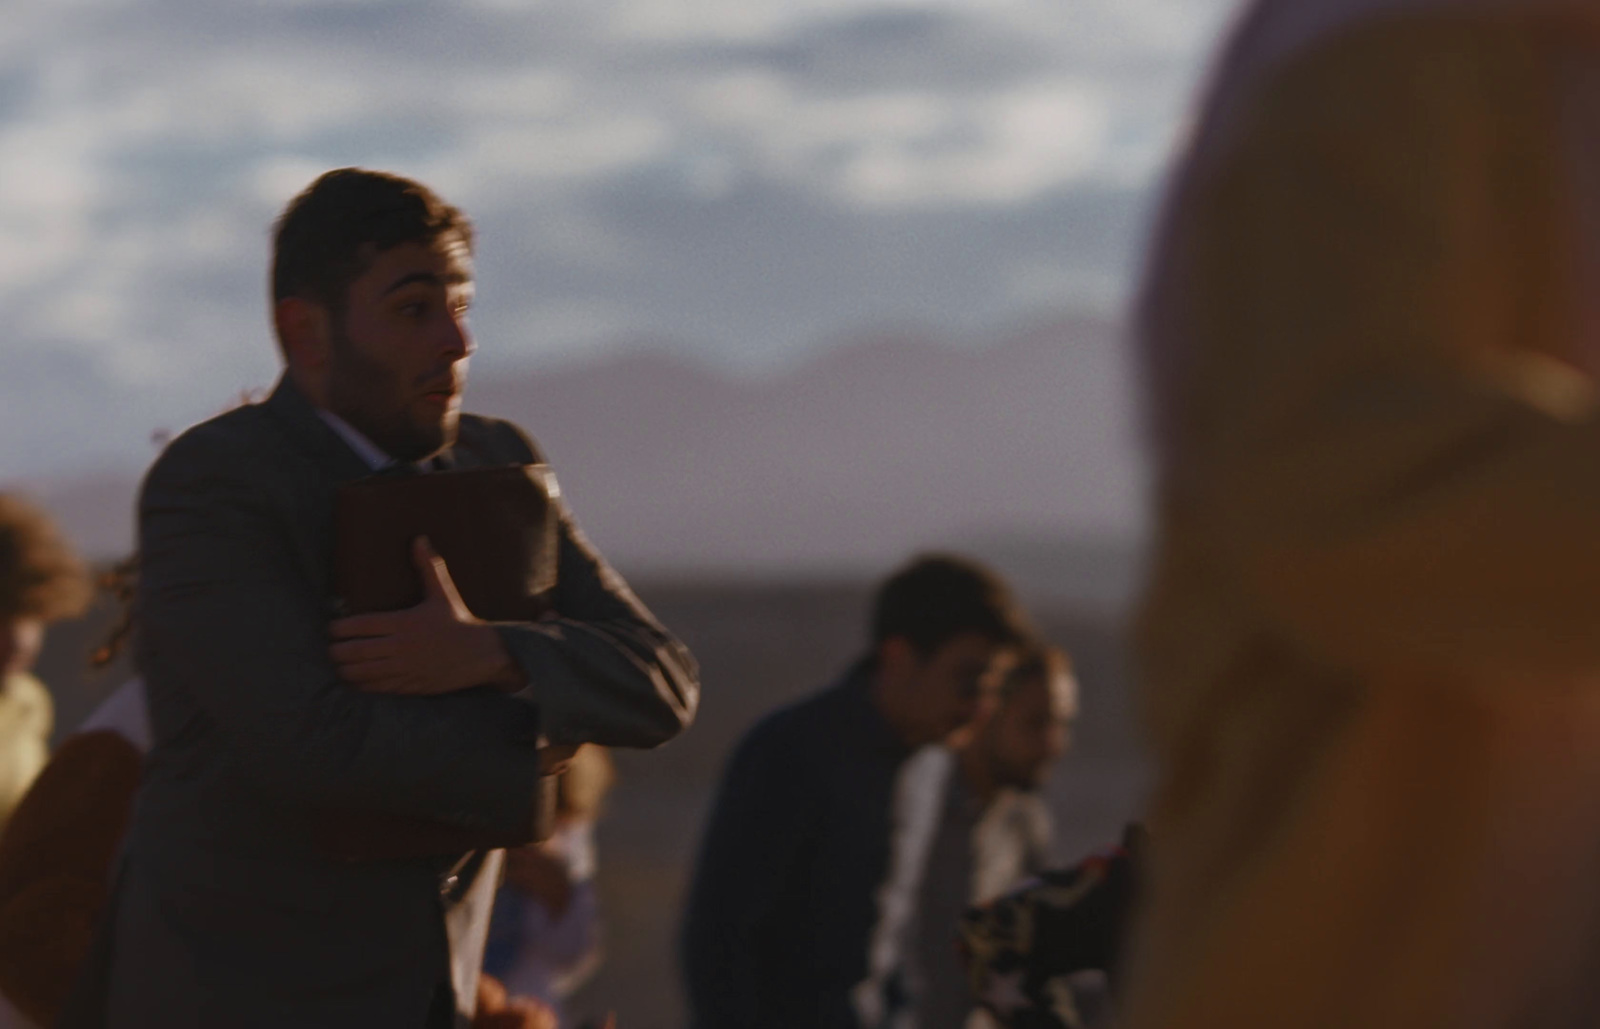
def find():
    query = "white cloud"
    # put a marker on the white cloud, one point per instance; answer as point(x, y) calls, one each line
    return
point(1009, 148)
point(920, 148)
point(568, 149)
point(743, 175)
point(726, 20)
point(48, 192)
point(267, 99)
point(272, 181)
point(513, 94)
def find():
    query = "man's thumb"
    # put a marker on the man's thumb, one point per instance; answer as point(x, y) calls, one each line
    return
point(431, 565)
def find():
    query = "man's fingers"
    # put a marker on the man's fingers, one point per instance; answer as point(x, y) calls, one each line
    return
point(435, 576)
point(554, 760)
point(403, 685)
point(437, 585)
point(381, 624)
point(368, 672)
point(371, 648)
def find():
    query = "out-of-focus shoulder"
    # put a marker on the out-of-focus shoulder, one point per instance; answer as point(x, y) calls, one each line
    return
point(796, 726)
point(233, 439)
point(499, 437)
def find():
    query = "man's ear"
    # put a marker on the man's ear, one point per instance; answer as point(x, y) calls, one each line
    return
point(897, 658)
point(304, 331)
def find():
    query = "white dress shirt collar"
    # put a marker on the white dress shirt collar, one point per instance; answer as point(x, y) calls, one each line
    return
point(365, 449)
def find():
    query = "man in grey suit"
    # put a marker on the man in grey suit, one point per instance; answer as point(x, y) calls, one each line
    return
point(267, 711)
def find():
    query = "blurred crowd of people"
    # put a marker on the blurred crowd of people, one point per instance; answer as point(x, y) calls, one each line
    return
point(875, 812)
point(1365, 651)
point(940, 739)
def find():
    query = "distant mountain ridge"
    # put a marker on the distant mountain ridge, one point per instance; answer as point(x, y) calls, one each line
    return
point(840, 466)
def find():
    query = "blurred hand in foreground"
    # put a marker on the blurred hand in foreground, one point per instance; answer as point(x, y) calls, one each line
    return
point(499, 1010)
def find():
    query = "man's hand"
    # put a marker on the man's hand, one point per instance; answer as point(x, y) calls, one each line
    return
point(498, 1010)
point(541, 875)
point(436, 647)
point(555, 758)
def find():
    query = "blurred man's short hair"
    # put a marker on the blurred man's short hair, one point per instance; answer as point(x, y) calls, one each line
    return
point(937, 597)
point(330, 233)
point(41, 575)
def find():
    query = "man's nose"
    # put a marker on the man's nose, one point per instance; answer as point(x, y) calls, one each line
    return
point(457, 339)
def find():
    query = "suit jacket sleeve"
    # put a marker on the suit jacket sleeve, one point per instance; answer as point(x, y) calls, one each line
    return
point(1386, 425)
point(229, 613)
point(603, 670)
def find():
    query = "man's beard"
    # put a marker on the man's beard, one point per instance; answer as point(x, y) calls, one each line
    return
point(367, 395)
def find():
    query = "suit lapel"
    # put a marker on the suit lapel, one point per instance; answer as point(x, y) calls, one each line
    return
point(309, 496)
point(311, 435)
point(462, 454)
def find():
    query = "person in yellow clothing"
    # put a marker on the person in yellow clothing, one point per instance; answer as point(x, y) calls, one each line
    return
point(41, 581)
point(1369, 649)
point(26, 718)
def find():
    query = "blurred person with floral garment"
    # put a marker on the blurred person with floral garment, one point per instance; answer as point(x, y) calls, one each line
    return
point(1367, 647)
point(993, 826)
point(1030, 952)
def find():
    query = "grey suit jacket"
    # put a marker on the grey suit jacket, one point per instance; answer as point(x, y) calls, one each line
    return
point(226, 914)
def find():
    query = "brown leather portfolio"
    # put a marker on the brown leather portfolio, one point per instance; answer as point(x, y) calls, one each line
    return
point(496, 529)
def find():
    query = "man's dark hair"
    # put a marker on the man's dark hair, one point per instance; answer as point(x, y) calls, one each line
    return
point(40, 574)
point(937, 597)
point(332, 231)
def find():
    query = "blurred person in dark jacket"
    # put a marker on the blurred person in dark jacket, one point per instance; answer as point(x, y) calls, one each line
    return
point(806, 876)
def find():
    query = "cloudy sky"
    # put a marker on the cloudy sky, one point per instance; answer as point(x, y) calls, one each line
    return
point(736, 181)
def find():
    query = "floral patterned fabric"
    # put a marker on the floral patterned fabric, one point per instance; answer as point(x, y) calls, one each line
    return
point(1023, 949)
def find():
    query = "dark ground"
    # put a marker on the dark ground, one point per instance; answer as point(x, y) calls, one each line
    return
point(759, 645)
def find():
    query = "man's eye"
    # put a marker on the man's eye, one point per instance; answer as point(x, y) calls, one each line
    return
point(415, 309)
